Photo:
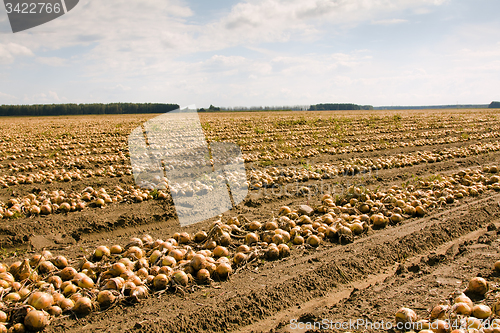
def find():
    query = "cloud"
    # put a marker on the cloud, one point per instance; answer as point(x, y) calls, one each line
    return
point(42, 98)
point(9, 52)
point(389, 22)
point(52, 61)
point(126, 39)
point(6, 98)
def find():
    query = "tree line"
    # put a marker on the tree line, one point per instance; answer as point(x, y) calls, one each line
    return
point(76, 109)
point(494, 105)
point(339, 106)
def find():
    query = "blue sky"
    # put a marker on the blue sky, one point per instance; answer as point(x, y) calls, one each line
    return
point(262, 52)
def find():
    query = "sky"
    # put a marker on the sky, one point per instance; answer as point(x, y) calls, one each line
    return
point(262, 52)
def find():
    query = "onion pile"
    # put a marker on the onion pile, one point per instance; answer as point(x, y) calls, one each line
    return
point(458, 314)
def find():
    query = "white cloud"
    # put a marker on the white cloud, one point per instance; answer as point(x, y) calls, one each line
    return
point(389, 22)
point(49, 97)
point(9, 52)
point(52, 61)
point(6, 98)
point(127, 39)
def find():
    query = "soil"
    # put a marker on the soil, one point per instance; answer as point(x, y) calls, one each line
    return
point(414, 264)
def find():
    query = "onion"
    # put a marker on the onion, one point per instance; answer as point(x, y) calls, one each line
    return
point(105, 298)
point(440, 326)
point(66, 304)
point(86, 282)
point(496, 266)
point(134, 252)
point(147, 239)
point(298, 240)
point(16, 286)
point(101, 251)
point(127, 275)
point(277, 239)
point(54, 310)
point(166, 245)
point(115, 249)
point(35, 210)
point(12, 297)
point(356, 228)
point(17, 328)
point(473, 322)
point(154, 256)
point(24, 292)
point(198, 262)
point(177, 254)
point(284, 250)
point(127, 262)
point(68, 273)
point(184, 238)
point(85, 265)
point(200, 236)
point(135, 242)
point(141, 292)
point(180, 277)
point(405, 315)
point(211, 268)
point(203, 275)
point(3, 317)
point(167, 270)
point(462, 298)
point(420, 210)
point(83, 306)
point(142, 273)
point(40, 300)
point(58, 297)
point(46, 267)
point(272, 252)
point(313, 240)
point(36, 320)
point(251, 238)
point(478, 285)
point(223, 270)
point(141, 263)
point(114, 283)
point(378, 220)
point(69, 289)
point(60, 262)
point(254, 226)
point(462, 308)
point(396, 218)
point(210, 245)
point(168, 261)
point(46, 209)
point(221, 251)
point(4, 284)
point(161, 281)
point(118, 268)
point(7, 276)
point(284, 210)
point(224, 239)
point(481, 311)
point(439, 311)
point(239, 258)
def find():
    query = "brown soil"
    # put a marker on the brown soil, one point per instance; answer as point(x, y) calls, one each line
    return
point(414, 264)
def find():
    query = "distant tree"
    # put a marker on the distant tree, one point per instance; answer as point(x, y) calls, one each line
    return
point(213, 108)
point(73, 109)
point(494, 105)
point(339, 106)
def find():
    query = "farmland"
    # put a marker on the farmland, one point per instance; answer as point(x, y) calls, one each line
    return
point(368, 211)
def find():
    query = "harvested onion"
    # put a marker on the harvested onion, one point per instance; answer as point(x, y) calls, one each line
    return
point(478, 285)
point(36, 320)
